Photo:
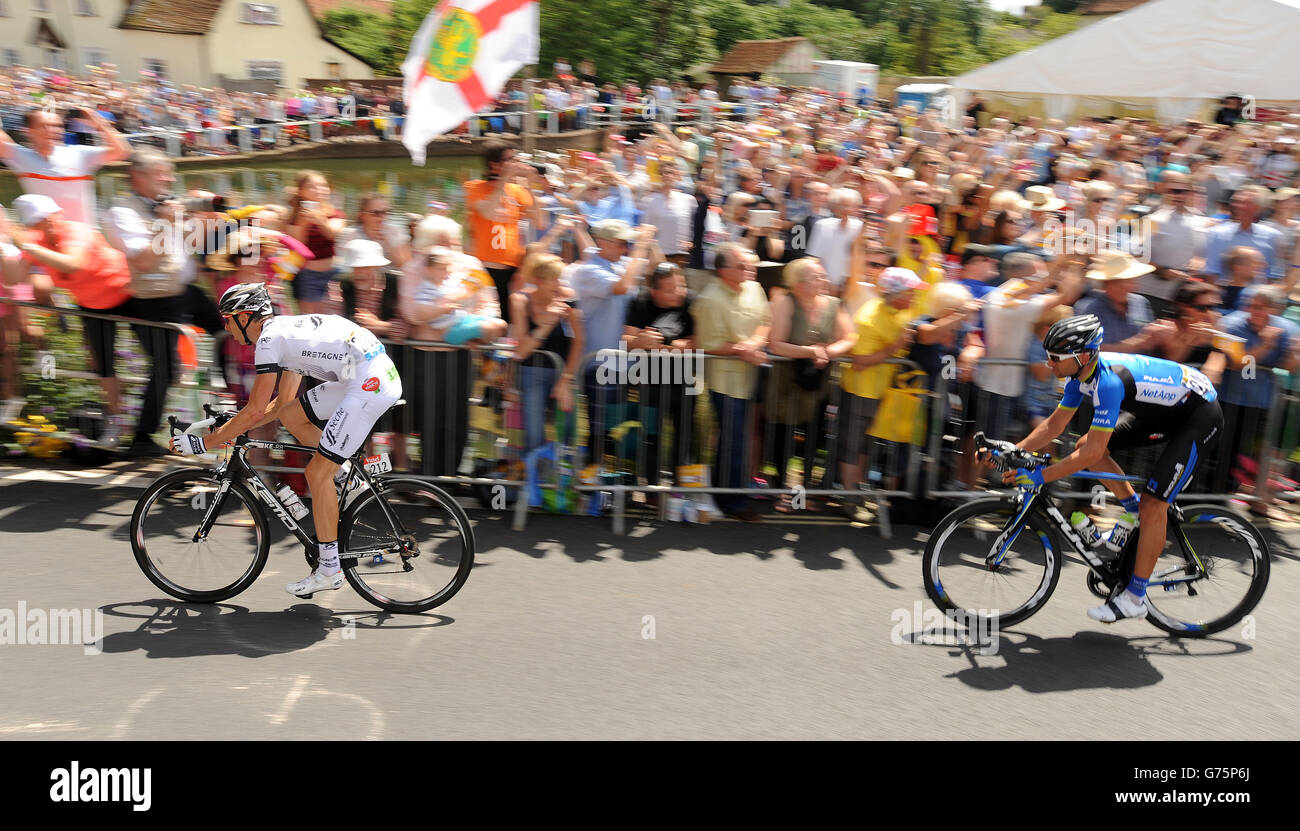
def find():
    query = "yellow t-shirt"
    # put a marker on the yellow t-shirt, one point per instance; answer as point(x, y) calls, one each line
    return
point(878, 325)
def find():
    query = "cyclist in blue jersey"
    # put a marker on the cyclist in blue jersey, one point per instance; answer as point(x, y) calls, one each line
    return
point(1136, 401)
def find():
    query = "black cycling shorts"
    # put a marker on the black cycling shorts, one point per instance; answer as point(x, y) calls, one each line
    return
point(1191, 436)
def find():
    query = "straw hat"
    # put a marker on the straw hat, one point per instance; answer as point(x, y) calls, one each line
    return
point(1040, 198)
point(1116, 265)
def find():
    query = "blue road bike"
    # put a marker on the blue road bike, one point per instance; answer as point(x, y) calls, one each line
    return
point(1001, 556)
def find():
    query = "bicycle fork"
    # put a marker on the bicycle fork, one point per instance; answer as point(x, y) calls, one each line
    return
point(212, 512)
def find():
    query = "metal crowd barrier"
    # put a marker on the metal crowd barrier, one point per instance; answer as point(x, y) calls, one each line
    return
point(1213, 483)
point(246, 135)
point(193, 363)
point(471, 410)
point(624, 466)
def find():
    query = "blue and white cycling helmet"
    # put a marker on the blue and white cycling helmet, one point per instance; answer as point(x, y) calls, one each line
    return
point(1080, 333)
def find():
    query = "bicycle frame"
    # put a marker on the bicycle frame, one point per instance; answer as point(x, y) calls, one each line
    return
point(237, 468)
point(1107, 572)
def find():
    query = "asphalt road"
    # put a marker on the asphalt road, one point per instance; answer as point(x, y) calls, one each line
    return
point(567, 631)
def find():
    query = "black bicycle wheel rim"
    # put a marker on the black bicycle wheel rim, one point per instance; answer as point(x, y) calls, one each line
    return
point(160, 564)
point(947, 554)
point(1239, 533)
point(383, 585)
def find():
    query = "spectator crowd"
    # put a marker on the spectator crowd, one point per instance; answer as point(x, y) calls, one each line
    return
point(805, 255)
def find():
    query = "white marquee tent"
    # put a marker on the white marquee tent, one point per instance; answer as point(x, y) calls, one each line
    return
point(1170, 58)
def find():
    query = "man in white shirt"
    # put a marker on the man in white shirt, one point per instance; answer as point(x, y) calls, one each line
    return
point(1177, 241)
point(832, 238)
point(671, 212)
point(65, 173)
point(1010, 312)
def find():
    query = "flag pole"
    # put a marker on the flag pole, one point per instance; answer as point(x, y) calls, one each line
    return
point(530, 116)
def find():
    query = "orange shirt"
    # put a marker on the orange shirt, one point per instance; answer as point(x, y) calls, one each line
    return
point(497, 241)
point(101, 282)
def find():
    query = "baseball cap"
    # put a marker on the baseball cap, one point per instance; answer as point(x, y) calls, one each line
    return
point(895, 279)
point(34, 207)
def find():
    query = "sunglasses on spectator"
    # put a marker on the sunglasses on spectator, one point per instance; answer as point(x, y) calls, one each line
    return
point(871, 264)
point(1206, 308)
point(375, 212)
point(1180, 190)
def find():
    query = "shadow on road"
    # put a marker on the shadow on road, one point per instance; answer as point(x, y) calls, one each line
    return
point(1088, 660)
point(171, 629)
point(817, 547)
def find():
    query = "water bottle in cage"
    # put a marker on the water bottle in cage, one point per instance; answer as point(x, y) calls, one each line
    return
point(292, 503)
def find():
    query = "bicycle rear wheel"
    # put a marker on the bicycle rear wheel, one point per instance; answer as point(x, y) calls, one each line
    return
point(957, 573)
point(438, 556)
point(219, 566)
point(1194, 601)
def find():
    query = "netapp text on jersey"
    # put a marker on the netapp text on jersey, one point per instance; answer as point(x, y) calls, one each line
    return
point(77, 784)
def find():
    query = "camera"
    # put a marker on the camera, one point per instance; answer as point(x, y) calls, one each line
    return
point(206, 204)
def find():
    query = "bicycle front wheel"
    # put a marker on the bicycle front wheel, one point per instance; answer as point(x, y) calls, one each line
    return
point(221, 564)
point(964, 573)
point(432, 565)
point(1210, 576)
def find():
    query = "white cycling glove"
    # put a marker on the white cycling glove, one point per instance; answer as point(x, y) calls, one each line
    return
point(188, 445)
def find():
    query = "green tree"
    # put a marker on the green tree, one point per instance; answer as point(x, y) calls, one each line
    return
point(644, 39)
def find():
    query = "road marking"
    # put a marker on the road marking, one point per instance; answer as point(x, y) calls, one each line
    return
point(376, 717)
point(122, 478)
point(119, 729)
point(39, 476)
point(40, 727)
point(295, 692)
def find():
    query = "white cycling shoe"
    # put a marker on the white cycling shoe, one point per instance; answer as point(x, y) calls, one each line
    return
point(1121, 607)
point(315, 582)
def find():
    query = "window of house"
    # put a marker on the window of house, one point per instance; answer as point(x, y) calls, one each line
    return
point(266, 71)
point(40, 5)
point(263, 14)
point(156, 66)
point(86, 8)
point(96, 56)
point(333, 69)
point(4, 9)
point(11, 57)
point(55, 59)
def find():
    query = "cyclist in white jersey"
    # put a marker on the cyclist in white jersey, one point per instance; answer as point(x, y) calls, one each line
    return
point(1136, 401)
point(361, 383)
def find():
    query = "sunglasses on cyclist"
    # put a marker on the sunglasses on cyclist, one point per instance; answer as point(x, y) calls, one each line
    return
point(1057, 358)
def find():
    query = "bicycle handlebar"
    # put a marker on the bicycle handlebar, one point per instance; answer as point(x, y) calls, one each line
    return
point(215, 419)
point(1006, 456)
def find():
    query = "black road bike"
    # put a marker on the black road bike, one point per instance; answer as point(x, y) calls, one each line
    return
point(202, 534)
point(1000, 557)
